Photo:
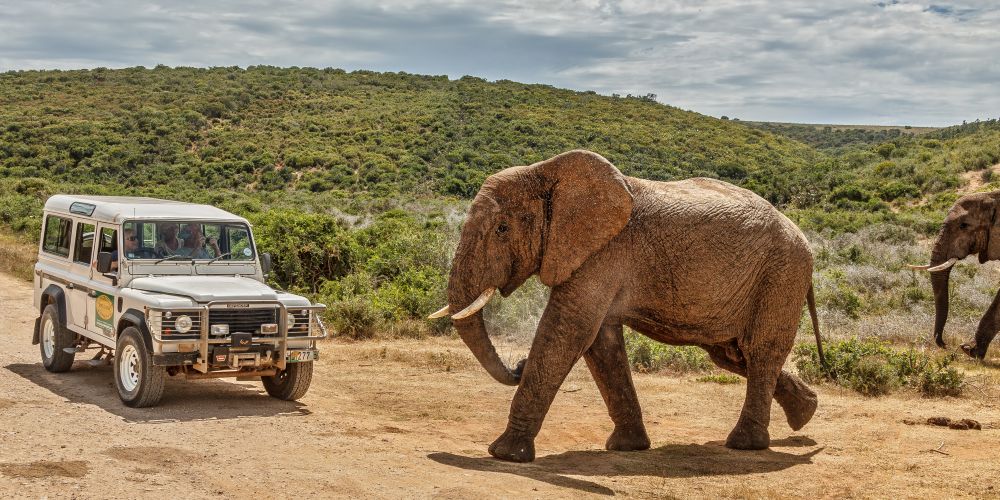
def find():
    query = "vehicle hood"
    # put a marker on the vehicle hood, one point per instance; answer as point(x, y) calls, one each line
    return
point(207, 288)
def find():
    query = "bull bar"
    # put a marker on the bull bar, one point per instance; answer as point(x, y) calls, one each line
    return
point(280, 340)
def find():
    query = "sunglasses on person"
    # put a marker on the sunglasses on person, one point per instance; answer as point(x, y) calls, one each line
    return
point(131, 238)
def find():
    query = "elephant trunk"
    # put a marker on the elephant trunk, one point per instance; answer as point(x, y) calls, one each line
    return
point(474, 334)
point(463, 289)
point(939, 282)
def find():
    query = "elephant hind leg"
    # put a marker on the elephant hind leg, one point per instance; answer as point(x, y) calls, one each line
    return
point(765, 347)
point(798, 401)
point(608, 364)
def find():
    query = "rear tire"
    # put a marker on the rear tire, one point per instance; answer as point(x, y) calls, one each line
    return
point(291, 383)
point(139, 383)
point(53, 337)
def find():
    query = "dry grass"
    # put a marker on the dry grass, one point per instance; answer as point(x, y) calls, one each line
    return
point(424, 354)
point(17, 257)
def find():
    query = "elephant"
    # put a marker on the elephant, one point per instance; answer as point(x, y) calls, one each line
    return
point(968, 228)
point(695, 262)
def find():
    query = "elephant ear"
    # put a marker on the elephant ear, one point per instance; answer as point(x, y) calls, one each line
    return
point(992, 244)
point(587, 204)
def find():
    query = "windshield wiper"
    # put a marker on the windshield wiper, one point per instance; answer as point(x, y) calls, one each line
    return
point(174, 257)
point(219, 257)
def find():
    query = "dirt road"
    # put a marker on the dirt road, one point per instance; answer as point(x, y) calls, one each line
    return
point(413, 419)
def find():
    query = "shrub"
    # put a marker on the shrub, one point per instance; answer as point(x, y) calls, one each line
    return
point(648, 355)
point(871, 376)
point(354, 318)
point(873, 368)
point(942, 379)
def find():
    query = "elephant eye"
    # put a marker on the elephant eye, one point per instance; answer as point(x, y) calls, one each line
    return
point(964, 225)
point(502, 228)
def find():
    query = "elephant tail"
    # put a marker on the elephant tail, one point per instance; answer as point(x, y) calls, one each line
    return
point(811, 300)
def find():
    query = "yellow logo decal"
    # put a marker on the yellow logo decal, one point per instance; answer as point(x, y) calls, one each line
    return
point(104, 307)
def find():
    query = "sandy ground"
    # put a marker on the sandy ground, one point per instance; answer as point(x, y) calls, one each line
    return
point(414, 419)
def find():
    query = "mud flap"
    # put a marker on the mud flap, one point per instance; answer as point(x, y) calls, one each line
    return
point(35, 334)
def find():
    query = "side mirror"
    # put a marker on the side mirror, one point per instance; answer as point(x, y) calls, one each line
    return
point(265, 263)
point(104, 260)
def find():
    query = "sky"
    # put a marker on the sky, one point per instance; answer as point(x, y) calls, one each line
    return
point(888, 62)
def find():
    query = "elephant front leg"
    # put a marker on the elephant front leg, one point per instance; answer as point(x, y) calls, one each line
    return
point(986, 332)
point(566, 330)
point(608, 364)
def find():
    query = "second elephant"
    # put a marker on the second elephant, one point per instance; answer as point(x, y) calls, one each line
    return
point(696, 262)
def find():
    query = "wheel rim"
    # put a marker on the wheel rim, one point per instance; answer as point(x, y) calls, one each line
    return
point(49, 338)
point(128, 368)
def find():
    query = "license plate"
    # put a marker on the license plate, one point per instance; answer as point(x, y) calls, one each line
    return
point(298, 356)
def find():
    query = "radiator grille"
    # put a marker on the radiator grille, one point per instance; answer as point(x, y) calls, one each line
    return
point(243, 320)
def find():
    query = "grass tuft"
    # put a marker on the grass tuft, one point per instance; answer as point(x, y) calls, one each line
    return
point(721, 378)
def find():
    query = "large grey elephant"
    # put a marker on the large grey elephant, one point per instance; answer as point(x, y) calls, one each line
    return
point(695, 262)
point(971, 227)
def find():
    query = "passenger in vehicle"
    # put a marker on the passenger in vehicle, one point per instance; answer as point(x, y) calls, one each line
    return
point(195, 243)
point(170, 243)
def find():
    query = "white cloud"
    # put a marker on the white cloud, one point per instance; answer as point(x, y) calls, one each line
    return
point(850, 62)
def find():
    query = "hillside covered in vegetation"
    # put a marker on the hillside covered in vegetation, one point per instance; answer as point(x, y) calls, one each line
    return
point(356, 182)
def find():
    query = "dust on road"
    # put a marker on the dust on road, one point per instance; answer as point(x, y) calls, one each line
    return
point(414, 418)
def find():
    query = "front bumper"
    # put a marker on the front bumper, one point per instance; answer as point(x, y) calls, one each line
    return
point(236, 350)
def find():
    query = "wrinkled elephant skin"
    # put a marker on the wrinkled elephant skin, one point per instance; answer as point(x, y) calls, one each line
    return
point(695, 262)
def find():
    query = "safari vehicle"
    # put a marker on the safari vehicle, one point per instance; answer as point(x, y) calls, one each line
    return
point(161, 288)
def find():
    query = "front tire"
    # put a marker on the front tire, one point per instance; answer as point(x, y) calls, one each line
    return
point(53, 338)
point(139, 383)
point(291, 383)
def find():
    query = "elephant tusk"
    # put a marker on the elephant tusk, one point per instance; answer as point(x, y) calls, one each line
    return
point(440, 313)
point(919, 268)
point(476, 305)
point(941, 267)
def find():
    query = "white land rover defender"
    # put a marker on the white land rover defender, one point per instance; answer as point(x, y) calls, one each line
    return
point(170, 289)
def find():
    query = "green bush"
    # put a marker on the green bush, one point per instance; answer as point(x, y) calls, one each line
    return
point(648, 355)
point(353, 318)
point(942, 379)
point(873, 368)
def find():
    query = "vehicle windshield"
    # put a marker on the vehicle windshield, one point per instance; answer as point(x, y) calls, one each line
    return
point(182, 240)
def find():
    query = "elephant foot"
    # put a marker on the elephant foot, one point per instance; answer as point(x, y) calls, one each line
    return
point(797, 400)
point(973, 350)
point(628, 438)
point(748, 436)
point(514, 447)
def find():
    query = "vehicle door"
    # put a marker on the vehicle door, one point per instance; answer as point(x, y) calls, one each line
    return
point(102, 300)
point(80, 268)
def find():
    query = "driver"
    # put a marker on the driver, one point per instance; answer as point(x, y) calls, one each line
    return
point(131, 244)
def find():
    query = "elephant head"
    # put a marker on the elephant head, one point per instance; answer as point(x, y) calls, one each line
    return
point(969, 228)
point(547, 219)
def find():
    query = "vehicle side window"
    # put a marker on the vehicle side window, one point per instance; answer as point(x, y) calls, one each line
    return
point(57, 234)
point(83, 250)
point(109, 240)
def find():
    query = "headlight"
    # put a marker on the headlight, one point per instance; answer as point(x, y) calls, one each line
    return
point(183, 323)
point(291, 321)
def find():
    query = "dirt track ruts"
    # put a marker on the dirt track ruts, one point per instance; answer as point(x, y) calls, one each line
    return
point(413, 419)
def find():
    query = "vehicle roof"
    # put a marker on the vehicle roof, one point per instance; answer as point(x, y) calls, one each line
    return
point(116, 209)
